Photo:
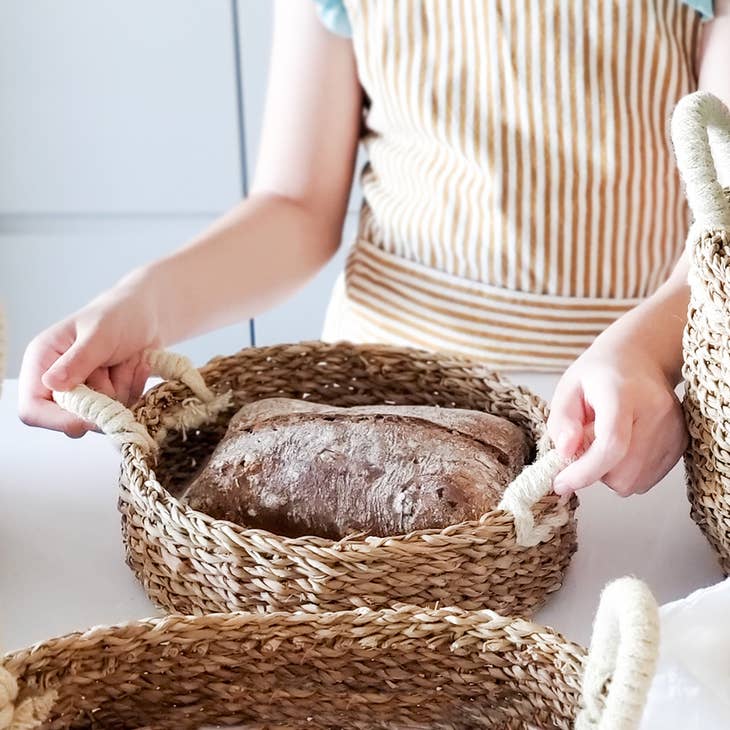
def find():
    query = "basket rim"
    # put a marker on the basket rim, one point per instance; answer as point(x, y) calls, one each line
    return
point(444, 618)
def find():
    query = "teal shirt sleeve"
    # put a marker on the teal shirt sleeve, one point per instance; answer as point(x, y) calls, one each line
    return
point(705, 7)
point(333, 15)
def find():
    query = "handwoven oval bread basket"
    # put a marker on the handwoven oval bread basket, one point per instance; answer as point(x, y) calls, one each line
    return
point(509, 560)
point(698, 119)
point(405, 668)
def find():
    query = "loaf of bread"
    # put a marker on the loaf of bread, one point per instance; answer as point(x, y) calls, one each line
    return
point(297, 468)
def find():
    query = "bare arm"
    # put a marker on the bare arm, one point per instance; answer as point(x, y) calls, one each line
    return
point(277, 239)
point(619, 395)
point(256, 255)
point(660, 320)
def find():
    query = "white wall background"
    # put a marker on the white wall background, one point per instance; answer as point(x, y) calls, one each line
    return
point(119, 140)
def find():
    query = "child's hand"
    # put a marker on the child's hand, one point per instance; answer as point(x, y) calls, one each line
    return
point(102, 345)
point(616, 410)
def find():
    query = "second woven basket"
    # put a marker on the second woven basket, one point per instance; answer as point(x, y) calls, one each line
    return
point(509, 560)
point(701, 136)
point(407, 668)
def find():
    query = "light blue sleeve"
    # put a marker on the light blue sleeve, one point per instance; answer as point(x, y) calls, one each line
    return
point(333, 15)
point(705, 7)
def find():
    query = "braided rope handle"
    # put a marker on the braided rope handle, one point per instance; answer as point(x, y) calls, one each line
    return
point(624, 650)
point(118, 422)
point(701, 138)
point(521, 496)
point(24, 715)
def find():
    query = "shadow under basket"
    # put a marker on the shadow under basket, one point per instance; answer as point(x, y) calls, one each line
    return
point(408, 668)
point(509, 560)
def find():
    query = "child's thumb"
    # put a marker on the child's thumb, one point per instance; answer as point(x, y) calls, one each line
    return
point(74, 366)
point(566, 423)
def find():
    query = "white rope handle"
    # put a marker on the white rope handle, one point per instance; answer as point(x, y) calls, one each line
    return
point(118, 422)
point(624, 650)
point(520, 497)
point(25, 715)
point(170, 366)
point(701, 138)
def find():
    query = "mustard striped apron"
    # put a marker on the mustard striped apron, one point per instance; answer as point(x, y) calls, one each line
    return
point(520, 192)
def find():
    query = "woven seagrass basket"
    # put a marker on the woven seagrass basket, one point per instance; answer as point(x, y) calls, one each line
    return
point(406, 667)
point(509, 560)
point(699, 119)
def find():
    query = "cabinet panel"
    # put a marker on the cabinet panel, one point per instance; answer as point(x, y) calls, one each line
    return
point(45, 277)
point(117, 106)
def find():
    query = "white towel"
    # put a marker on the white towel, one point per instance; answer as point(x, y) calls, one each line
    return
point(691, 688)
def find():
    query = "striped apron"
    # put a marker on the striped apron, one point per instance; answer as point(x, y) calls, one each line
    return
point(520, 192)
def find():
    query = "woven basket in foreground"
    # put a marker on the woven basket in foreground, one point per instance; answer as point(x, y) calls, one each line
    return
point(509, 560)
point(404, 668)
point(707, 334)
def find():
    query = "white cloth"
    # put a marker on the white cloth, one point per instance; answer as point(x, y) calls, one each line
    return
point(691, 688)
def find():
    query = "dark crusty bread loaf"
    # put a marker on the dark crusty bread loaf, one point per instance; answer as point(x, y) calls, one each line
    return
point(298, 468)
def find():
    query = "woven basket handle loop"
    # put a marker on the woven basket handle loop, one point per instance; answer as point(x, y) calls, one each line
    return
point(25, 715)
point(701, 137)
point(170, 366)
point(624, 650)
point(109, 415)
point(118, 422)
point(520, 497)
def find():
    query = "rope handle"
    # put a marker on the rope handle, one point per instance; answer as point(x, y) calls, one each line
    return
point(624, 650)
point(118, 422)
point(701, 138)
point(25, 715)
point(521, 496)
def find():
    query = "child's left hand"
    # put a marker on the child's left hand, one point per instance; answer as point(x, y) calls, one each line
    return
point(616, 410)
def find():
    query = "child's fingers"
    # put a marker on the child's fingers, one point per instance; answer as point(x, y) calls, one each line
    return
point(613, 427)
point(139, 380)
point(101, 382)
point(121, 376)
point(567, 416)
point(35, 402)
point(75, 365)
point(48, 414)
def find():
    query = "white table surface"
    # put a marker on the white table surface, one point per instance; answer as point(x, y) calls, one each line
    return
point(61, 557)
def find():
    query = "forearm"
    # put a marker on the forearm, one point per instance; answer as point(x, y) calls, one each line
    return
point(254, 257)
point(655, 326)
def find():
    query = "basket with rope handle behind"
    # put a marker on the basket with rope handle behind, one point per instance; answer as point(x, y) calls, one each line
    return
point(509, 560)
point(701, 137)
point(405, 668)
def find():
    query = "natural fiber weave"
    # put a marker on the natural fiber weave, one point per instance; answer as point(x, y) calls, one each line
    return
point(707, 335)
point(190, 563)
point(406, 668)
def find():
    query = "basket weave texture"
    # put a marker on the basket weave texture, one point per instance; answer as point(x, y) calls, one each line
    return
point(405, 668)
point(190, 563)
point(707, 335)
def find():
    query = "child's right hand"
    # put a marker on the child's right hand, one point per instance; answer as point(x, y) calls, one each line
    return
point(102, 345)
